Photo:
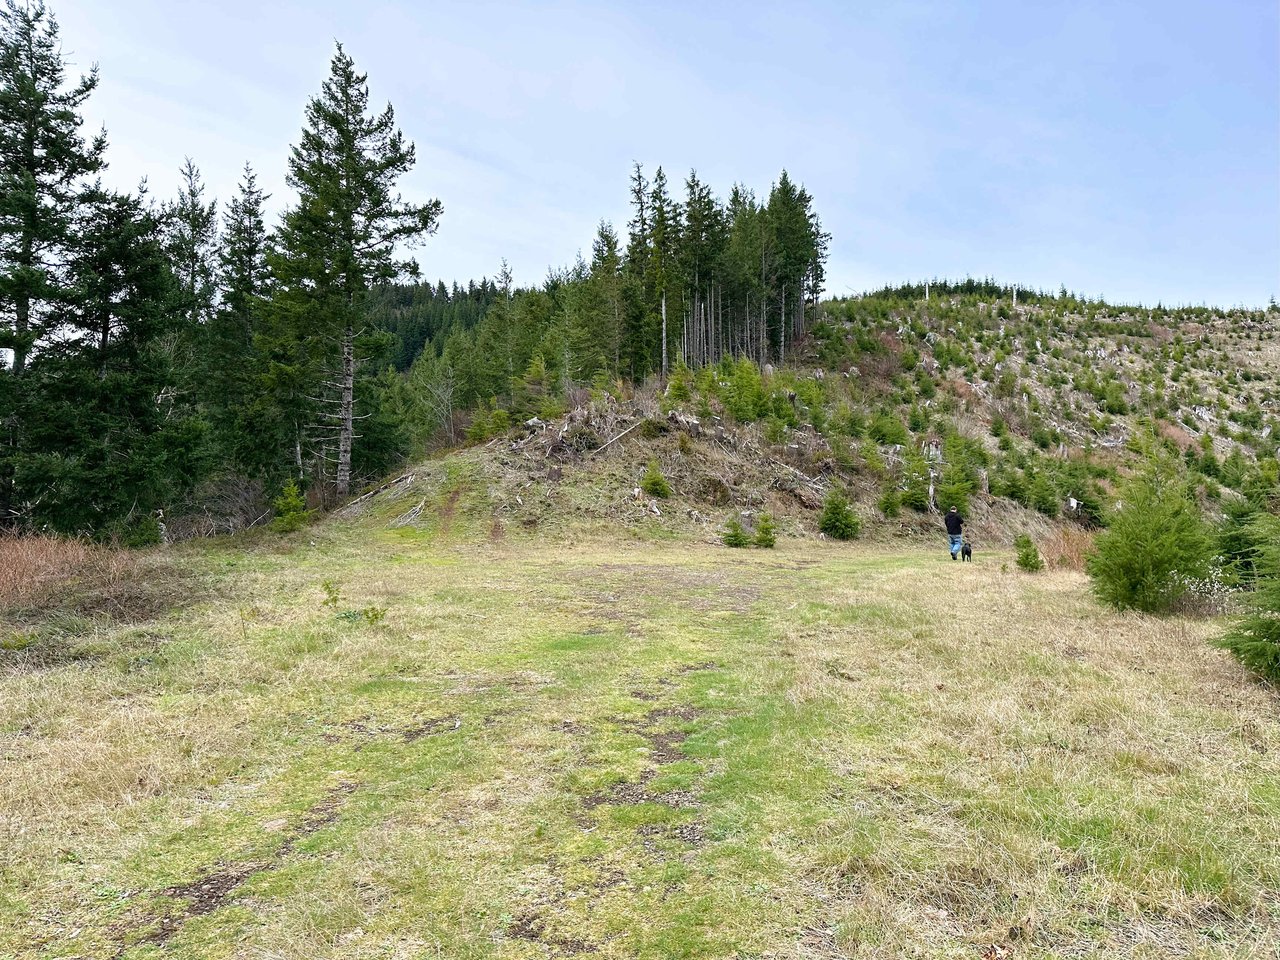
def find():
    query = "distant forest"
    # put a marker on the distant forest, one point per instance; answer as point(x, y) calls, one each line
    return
point(157, 354)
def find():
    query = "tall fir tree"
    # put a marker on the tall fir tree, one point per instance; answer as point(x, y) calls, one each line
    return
point(192, 246)
point(663, 269)
point(637, 348)
point(701, 244)
point(337, 241)
point(45, 161)
point(244, 438)
point(607, 281)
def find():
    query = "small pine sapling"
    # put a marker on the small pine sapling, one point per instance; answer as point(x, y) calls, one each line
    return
point(1155, 544)
point(838, 520)
point(1255, 637)
point(1028, 556)
point(890, 503)
point(654, 483)
point(734, 535)
point(766, 532)
point(291, 509)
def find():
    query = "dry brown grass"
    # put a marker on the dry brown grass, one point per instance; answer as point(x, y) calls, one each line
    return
point(33, 567)
point(1067, 548)
point(40, 574)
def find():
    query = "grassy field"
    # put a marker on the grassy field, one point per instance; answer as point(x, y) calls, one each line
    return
point(433, 742)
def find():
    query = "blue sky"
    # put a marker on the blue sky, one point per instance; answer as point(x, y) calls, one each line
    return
point(1126, 149)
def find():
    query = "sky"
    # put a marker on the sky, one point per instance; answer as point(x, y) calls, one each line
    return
point(1123, 149)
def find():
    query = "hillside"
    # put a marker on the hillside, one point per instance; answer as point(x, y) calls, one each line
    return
point(1028, 415)
point(467, 737)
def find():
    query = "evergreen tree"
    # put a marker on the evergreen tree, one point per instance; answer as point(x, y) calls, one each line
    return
point(607, 283)
point(636, 346)
point(192, 246)
point(44, 163)
point(99, 452)
point(1155, 542)
point(838, 519)
point(1255, 637)
point(745, 269)
point(340, 239)
point(229, 360)
point(701, 246)
point(663, 276)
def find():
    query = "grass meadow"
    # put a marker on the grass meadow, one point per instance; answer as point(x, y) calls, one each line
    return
point(427, 742)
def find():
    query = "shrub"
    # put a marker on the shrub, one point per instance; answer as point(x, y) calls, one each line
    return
point(135, 535)
point(1237, 540)
point(680, 388)
point(1028, 556)
point(1042, 495)
point(743, 396)
point(766, 532)
point(838, 520)
point(35, 567)
point(872, 460)
point(500, 420)
point(478, 430)
point(1067, 548)
point(887, 430)
point(1156, 540)
point(651, 429)
point(1255, 638)
point(734, 535)
point(890, 503)
point(40, 573)
point(915, 478)
point(654, 483)
point(581, 438)
point(291, 509)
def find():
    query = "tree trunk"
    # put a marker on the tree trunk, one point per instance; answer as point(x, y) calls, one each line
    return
point(346, 430)
point(22, 311)
point(664, 335)
point(782, 328)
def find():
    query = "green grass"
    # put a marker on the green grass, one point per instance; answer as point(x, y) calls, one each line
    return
point(647, 749)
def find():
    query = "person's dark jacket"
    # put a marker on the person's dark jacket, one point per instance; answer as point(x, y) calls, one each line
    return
point(954, 523)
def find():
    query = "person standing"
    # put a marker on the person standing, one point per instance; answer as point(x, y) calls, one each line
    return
point(955, 530)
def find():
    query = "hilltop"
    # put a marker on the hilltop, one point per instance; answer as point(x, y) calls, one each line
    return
point(1025, 409)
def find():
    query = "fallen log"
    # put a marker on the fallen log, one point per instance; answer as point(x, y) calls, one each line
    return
point(608, 443)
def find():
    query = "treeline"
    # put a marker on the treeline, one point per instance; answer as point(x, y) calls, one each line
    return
point(416, 313)
point(153, 350)
point(696, 280)
point(157, 355)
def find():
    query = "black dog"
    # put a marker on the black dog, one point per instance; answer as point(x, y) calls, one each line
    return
point(966, 551)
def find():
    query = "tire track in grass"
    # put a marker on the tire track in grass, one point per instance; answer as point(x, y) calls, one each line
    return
point(665, 747)
point(216, 888)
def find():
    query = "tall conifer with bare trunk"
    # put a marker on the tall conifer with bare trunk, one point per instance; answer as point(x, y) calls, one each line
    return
point(340, 238)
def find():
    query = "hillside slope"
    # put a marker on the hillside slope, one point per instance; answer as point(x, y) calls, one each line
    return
point(1027, 415)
